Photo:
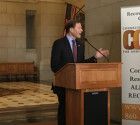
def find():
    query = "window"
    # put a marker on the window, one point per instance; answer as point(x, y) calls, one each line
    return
point(30, 34)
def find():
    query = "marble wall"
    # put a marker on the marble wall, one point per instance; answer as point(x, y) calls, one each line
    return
point(48, 26)
point(51, 28)
point(13, 32)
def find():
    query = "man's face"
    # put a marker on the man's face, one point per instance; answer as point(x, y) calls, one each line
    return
point(76, 31)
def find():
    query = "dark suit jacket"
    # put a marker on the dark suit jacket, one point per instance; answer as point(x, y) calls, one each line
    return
point(62, 54)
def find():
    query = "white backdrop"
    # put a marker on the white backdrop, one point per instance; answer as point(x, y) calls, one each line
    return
point(130, 50)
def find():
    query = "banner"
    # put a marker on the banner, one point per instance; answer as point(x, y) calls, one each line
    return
point(130, 50)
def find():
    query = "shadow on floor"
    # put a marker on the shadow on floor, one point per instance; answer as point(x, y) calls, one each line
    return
point(43, 123)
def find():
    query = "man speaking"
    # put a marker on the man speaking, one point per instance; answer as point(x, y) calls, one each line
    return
point(69, 50)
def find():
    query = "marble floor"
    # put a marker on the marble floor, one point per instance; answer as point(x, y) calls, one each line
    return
point(20, 94)
point(28, 103)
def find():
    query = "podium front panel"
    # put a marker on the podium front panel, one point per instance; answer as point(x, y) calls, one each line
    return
point(96, 108)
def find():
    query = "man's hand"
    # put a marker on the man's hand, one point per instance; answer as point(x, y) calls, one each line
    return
point(98, 55)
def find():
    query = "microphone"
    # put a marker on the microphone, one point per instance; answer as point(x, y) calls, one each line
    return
point(95, 48)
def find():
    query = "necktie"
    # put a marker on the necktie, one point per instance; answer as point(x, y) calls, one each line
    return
point(74, 51)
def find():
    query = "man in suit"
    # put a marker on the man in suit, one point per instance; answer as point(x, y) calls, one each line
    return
point(69, 50)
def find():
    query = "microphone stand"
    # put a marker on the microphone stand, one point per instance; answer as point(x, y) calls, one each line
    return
point(96, 49)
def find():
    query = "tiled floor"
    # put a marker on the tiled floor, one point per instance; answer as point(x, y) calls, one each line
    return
point(19, 94)
point(27, 103)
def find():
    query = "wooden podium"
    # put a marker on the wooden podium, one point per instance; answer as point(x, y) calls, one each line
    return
point(81, 78)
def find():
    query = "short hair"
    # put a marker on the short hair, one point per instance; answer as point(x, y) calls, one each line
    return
point(71, 24)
